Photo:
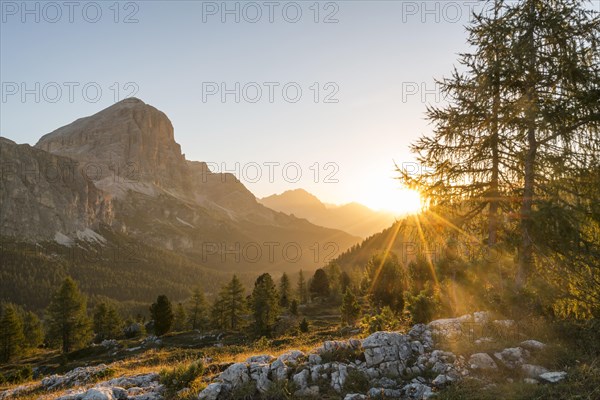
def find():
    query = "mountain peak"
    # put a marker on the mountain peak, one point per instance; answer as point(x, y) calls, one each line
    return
point(129, 134)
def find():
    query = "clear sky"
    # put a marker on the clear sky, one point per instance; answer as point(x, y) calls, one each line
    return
point(375, 61)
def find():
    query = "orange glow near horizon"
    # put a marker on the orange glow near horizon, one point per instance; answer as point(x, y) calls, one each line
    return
point(395, 200)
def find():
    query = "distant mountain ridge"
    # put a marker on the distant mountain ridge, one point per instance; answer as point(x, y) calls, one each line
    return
point(120, 170)
point(353, 218)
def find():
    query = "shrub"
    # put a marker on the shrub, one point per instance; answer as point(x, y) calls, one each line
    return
point(181, 376)
point(356, 382)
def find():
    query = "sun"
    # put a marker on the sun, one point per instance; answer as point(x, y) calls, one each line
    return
point(393, 198)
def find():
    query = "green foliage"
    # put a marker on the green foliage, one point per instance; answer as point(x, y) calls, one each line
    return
point(350, 308)
point(302, 290)
point(244, 391)
point(386, 320)
point(356, 382)
point(162, 315)
point(33, 330)
point(285, 291)
point(17, 376)
point(107, 322)
point(230, 306)
point(280, 390)
point(424, 306)
point(180, 322)
point(66, 316)
point(198, 310)
point(11, 333)
point(265, 304)
point(388, 281)
point(294, 307)
point(304, 326)
point(319, 285)
point(181, 376)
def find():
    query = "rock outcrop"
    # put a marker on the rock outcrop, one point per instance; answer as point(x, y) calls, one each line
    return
point(390, 365)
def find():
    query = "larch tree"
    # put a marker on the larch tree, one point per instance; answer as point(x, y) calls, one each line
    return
point(466, 165)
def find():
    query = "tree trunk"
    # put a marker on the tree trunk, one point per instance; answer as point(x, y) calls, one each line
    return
point(526, 249)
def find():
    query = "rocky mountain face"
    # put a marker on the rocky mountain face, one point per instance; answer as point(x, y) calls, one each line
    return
point(43, 194)
point(121, 168)
point(353, 218)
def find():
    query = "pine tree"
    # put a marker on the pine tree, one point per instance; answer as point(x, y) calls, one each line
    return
point(33, 330)
point(67, 318)
point(285, 291)
point(217, 312)
point(265, 304)
point(234, 303)
point(350, 308)
point(388, 282)
point(11, 333)
point(302, 288)
point(162, 315)
point(556, 53)
point(467, 165)
point(108, 324)
point(294, 307)
point(304, 326)
point(180, 322)
point(319, 285)
point(197, 310)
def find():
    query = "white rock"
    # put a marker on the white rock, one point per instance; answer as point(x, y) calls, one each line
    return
point(512, 357)
point(211, 392)
point(98, 394)
point(482, 361)
point(533, 371)
point(235, 375)
point(262, 359)
point(553, 377)
point(355, 396)
point(533, 345)
point(301, 379)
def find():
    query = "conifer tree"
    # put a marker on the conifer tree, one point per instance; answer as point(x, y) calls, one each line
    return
point(285, 291)
point(108, 324)
point(180, 321)
point(162, 315)
point(235, 303)
point(350, 308)
point(265, 304)
point(302, 290)
point(197, 310)
point(32, 329)
point(11, 333)
point(67, 318)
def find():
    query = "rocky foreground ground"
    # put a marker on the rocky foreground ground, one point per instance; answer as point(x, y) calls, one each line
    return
point(388, 365)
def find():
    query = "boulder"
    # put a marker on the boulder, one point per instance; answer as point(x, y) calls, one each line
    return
point(533, 371)
point(482, 361)
point(533, 345)
point(512, 357)
point(211, 392)
point(553, 377)
point(235, 375)
point(98, 394)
